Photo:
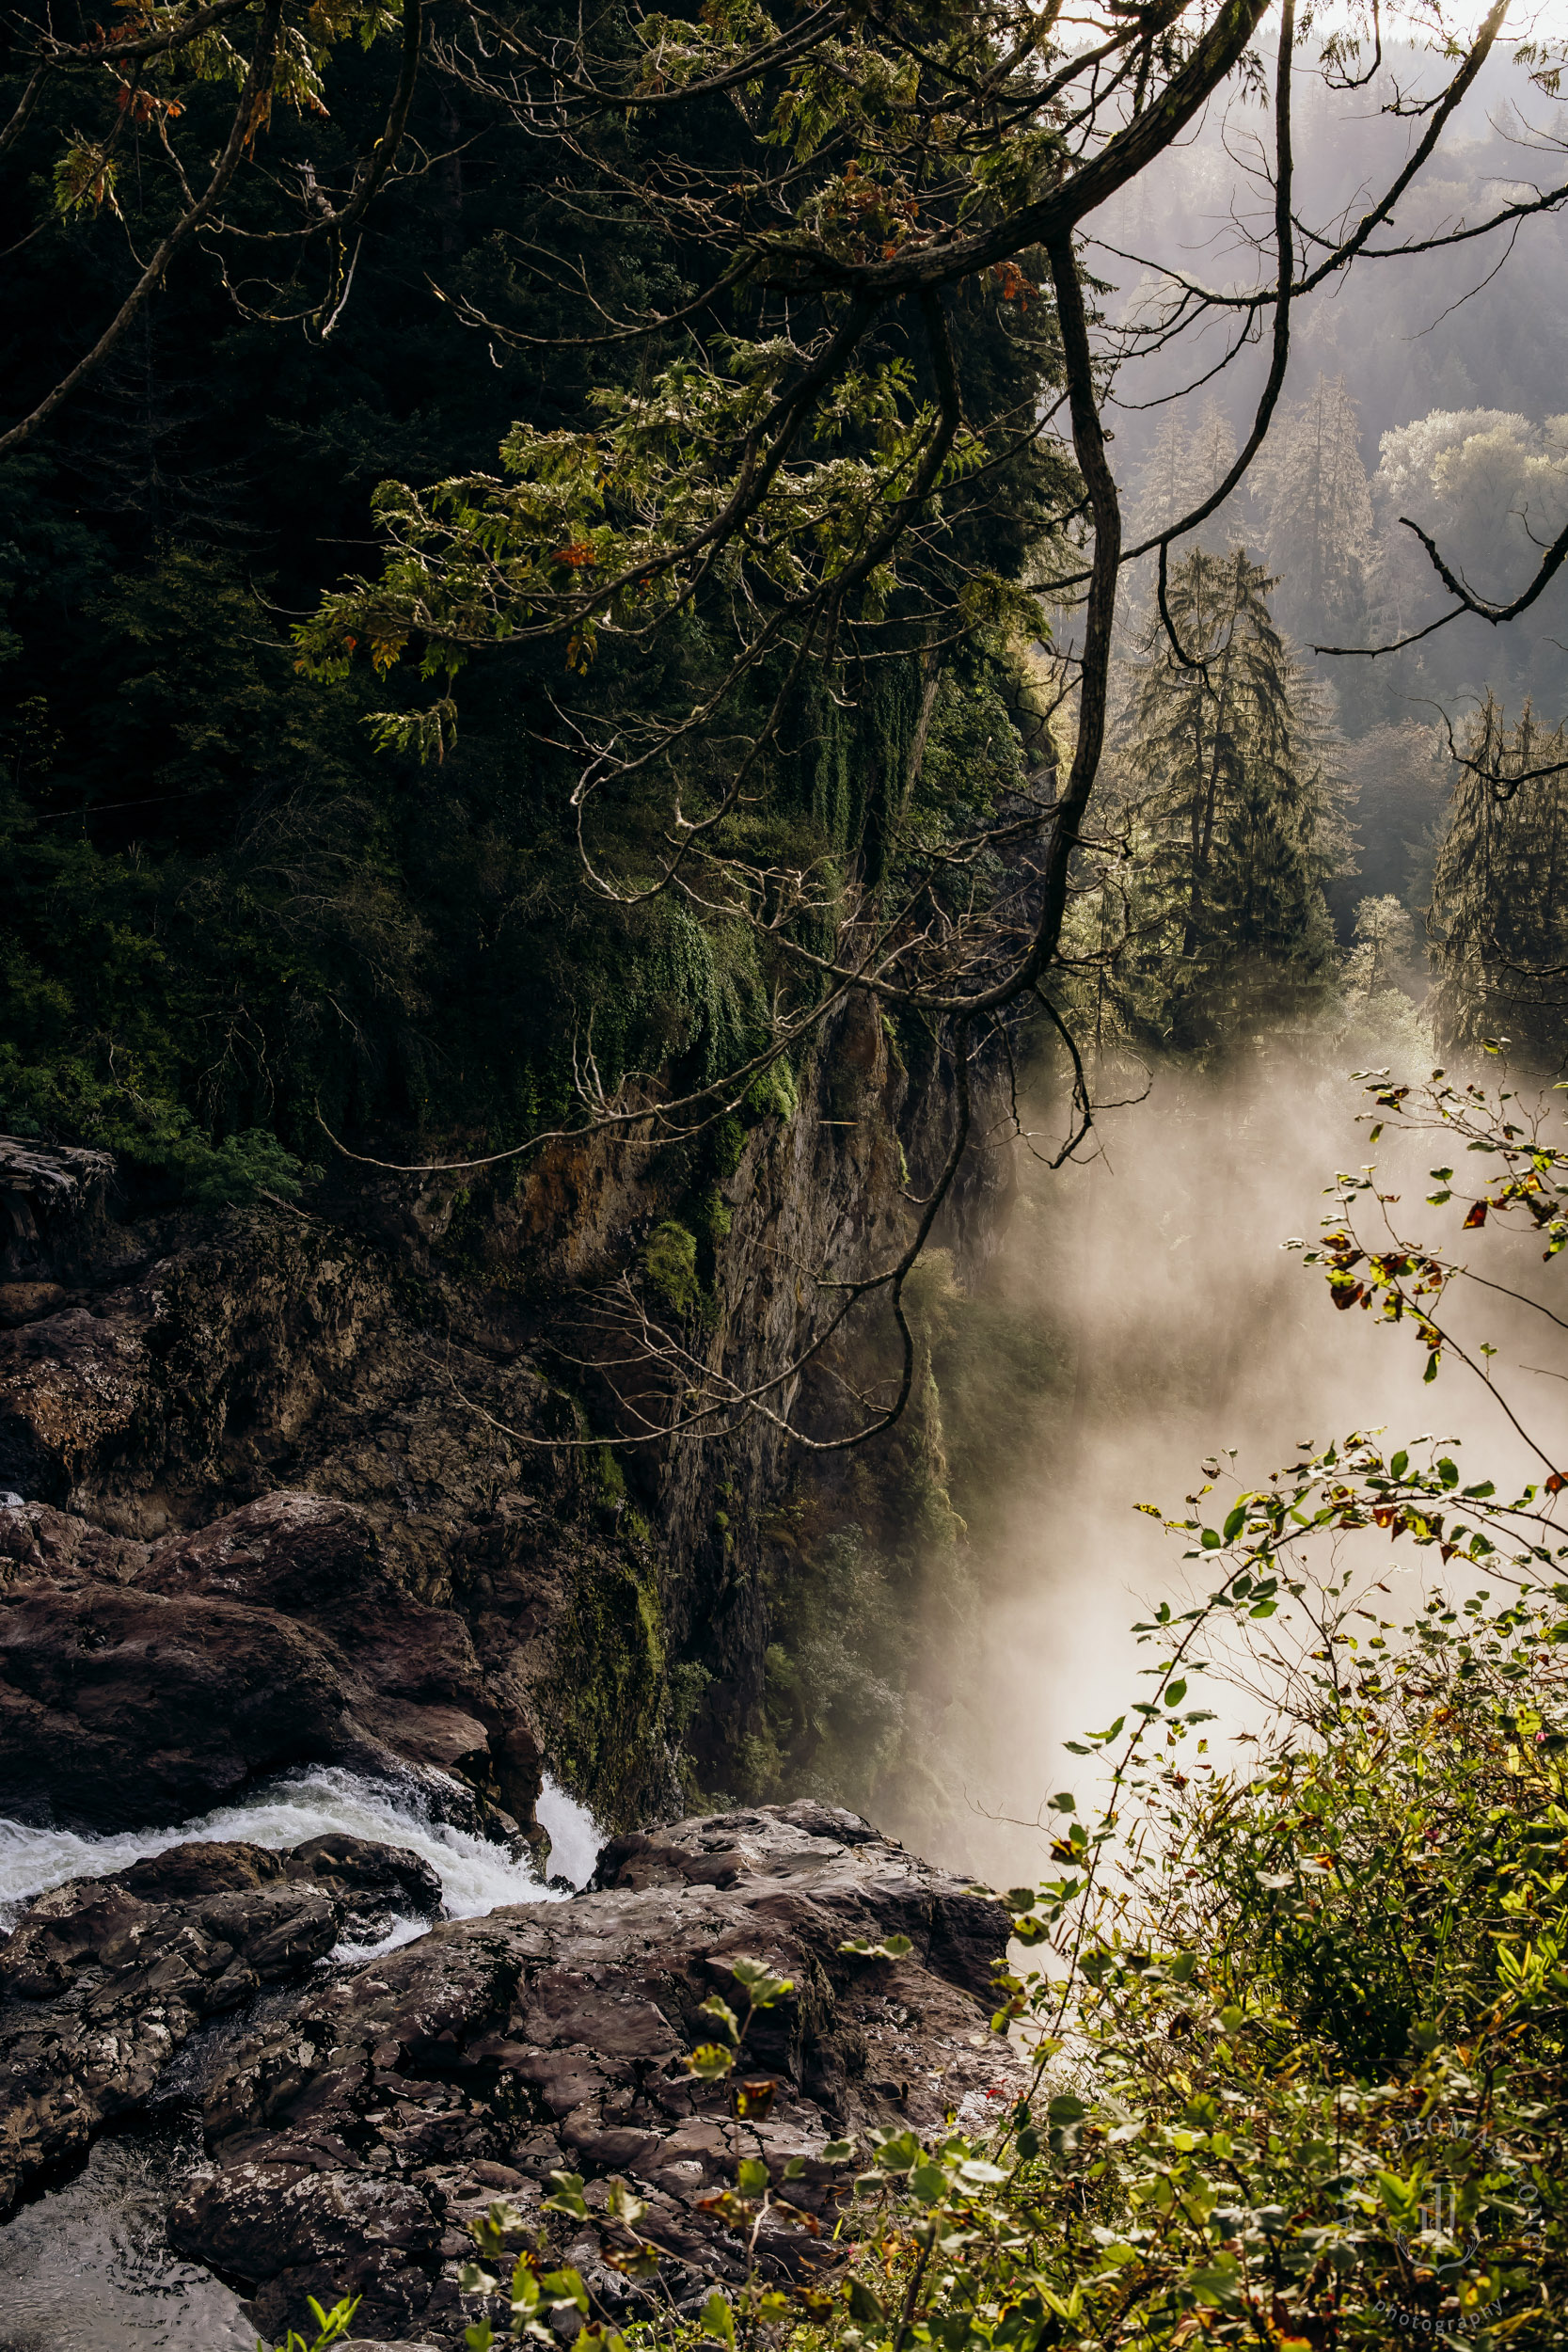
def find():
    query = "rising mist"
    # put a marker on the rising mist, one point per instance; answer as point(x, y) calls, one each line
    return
point(1178, 1329)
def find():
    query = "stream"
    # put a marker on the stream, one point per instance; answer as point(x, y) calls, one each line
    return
point(87, 2268)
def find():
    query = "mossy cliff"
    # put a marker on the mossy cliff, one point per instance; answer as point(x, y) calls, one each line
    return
point(421, 1349)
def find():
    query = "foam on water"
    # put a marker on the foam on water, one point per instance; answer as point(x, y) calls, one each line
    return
point(89, 2264)
point(575, 1836)
point(477, 1875)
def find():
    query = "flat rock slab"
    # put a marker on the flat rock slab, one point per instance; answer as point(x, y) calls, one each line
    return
point(351, 2144)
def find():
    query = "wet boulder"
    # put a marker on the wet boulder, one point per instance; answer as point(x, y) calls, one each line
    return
point(351, 2147)
point(106, 1979)
point(141, 1683)
point(121, 1709)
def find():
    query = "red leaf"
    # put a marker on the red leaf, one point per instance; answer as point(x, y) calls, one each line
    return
point(1477, 1217)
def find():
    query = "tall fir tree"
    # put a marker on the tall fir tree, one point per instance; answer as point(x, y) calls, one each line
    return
point(1499, 911)
point(1231, 775)
point(1185, 464)
point(1312, 497)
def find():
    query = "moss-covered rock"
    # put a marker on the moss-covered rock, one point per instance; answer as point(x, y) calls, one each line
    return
point(605, 1706)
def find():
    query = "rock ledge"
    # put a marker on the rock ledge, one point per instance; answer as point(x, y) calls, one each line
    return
point(353, 2142)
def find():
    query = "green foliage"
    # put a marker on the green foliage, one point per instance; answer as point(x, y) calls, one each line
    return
point(331, 2328)
point(773, 1093)
point(150, 1132)
point(607, 1705)
point(627, 504)
point(225, 913)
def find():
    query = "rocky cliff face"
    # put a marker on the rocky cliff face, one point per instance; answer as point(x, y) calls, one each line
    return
point(415, 1353)
point(282, 1487)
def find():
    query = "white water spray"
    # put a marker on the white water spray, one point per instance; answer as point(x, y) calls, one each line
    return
point(477, 1875)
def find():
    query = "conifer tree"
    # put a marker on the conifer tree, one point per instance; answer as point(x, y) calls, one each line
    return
point(1311, 492)
point(1384, 946)
point(1228, 758)
point(1501, 891)
point(1184, 465)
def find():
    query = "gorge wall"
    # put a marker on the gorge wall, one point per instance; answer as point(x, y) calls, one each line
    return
point(383, 1412)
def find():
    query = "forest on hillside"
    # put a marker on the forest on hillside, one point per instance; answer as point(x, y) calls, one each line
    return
point(241, 907)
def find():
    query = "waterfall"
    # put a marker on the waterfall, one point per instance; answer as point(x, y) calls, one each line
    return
point(476, 1874)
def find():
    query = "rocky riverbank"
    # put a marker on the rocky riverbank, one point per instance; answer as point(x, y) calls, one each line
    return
point(362, 2122)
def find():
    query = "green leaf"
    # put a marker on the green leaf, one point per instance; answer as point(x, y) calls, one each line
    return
point(864, 2305)
point(761, 1986)
point(709, 2061)
point(1235, 1522)
point(622, 2205)
point(719, 2319)
point(1175, 1693)
point(898, 2151)
point(751, 2175)
point(891, 1948)
point(567, 2288)
point(722, 2014)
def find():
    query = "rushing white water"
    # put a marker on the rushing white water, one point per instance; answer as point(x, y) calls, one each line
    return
point(476, 1874)
point(575, 1836)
